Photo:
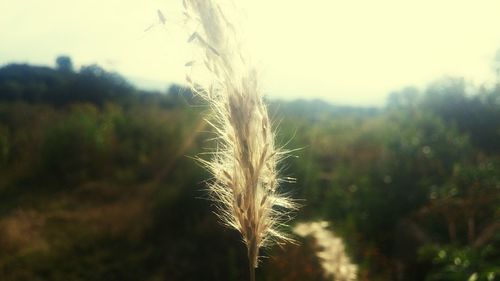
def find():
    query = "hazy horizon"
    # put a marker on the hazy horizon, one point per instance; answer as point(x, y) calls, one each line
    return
point(353, 53)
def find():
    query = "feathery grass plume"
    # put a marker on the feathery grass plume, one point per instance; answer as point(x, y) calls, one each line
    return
point(244, 166)
point(331, 251)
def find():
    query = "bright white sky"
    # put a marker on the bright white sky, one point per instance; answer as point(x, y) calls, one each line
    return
point(347, 52)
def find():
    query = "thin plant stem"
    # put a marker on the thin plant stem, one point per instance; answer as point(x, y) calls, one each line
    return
point(252, 271)
point(252, 257)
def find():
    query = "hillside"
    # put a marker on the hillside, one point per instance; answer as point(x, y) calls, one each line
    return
point(97, 182)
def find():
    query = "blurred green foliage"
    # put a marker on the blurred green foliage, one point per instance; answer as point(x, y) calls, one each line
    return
point(96, 182)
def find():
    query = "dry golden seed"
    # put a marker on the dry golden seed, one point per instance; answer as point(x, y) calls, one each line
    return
point(264, 132)
point(239, 200)
point(213, 50)
point(149, 27)
point(161, 17)
point(249, 210)
point(263, 200)
point(251, 170)
point(242, 214)
point(248, 228)
point(272, 186)
point(227, 175)
point(263, 156)
point(192, 37)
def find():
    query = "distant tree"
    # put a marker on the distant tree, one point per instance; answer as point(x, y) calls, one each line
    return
point(63, 63)
point(496, 65)
point(405, 98)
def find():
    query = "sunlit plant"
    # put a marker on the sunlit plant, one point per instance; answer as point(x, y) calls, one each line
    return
point(244, 164)
point(330, 251)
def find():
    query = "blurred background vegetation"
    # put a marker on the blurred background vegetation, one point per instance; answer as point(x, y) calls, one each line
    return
point(97, 183)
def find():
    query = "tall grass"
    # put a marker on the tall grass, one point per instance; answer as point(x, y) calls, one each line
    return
point(244, 165)
point(330, 251)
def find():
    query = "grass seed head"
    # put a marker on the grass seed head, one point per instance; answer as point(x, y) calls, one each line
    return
point(244, 165)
